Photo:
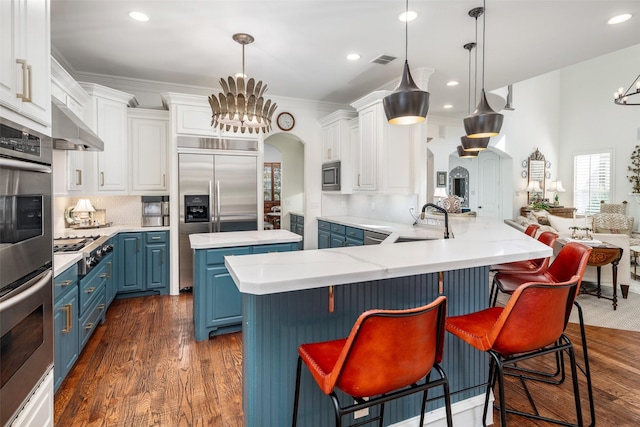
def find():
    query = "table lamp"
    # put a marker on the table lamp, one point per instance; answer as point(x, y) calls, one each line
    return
point(533, 187)
point(556, 187)
point(82, 210)
point(439, 194)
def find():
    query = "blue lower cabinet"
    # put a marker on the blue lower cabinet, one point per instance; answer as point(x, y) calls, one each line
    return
point(331, 235)
point(143, 263)
point(92, 302)
point(65, 324)
point(217, 303)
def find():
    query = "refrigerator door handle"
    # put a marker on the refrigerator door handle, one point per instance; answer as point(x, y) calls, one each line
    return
point(218, 203)
point(211, 203)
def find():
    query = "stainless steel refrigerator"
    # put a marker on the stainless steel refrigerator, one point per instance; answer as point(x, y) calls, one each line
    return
point(218, 193)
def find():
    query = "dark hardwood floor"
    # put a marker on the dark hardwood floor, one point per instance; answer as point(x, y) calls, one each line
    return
point(143, 368)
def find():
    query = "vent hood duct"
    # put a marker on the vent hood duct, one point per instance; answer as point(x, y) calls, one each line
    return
point(69, 132)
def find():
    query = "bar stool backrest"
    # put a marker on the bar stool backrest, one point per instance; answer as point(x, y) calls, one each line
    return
point(391, 349)
point(531, 229)
point(570, 261)
point(534, 317)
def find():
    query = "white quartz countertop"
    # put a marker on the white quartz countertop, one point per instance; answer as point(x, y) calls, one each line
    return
point(105, 231)
point(241, 238)
point(477, 242)
point(63, 261)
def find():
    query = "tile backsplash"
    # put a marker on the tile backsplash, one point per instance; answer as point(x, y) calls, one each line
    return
point(120, 210)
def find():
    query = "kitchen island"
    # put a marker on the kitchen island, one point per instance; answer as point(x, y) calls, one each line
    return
point(314, 295)
point(217, 304)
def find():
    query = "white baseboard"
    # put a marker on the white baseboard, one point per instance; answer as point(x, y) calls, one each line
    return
point(465, 413)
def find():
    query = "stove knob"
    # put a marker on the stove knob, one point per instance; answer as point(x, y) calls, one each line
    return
point(108, 248)
point(99, 252)
point(89, 262)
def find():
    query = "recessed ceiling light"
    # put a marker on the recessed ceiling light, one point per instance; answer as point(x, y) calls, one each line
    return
point(447, 106)
point(408, 16)
point(138, 16)
point(453, 83)
point(353, 57)
point(619, 19)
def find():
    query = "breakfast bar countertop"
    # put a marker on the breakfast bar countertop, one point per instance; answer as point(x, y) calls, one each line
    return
point(477, 242)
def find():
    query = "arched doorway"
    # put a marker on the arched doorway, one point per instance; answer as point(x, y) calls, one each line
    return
point(289, 150)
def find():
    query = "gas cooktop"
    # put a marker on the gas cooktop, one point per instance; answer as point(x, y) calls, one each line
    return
point(77, 243)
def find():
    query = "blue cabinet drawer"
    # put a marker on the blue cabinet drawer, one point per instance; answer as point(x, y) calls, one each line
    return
point(90, 285)
point(64, 281)
point(355, 233)
point(216, 256)
point(93, 316)
point(156, 236)
point(337, 228)
point(323, 225)
point(278, 247)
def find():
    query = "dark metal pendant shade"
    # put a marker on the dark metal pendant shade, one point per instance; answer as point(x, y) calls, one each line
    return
point(483, 122)
point(466, 154)
point(407, 104)
point(474, 144)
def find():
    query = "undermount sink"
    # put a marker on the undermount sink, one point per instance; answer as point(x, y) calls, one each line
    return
point(413, 239)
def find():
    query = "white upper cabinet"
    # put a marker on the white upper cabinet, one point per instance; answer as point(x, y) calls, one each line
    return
point(25, 42)
point(108, 112)
point(383, 154)
point(148, 145)
point(194, 120)
point(335, 136)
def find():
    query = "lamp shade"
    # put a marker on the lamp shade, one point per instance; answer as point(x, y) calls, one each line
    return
point(533, 187)
point(559, 187)
point(84, 205)
point(407, 104)
point(474, 144)
point(440, 192)
point(466, 154)
point(483, 122)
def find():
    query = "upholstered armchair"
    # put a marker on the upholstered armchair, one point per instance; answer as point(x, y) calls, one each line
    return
point(613, 219)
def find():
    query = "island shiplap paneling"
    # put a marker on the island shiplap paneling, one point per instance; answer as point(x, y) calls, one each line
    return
point(275, 325)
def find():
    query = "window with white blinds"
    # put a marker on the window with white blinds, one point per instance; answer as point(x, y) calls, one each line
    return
point(591, 181)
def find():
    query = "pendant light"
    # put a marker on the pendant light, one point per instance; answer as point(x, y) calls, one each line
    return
point(473, 144)
point(484, 122)
point(463, 154)
point(239, 106)
point(407, 104)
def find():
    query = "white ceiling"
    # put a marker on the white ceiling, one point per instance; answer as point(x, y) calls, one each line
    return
point(301, 45)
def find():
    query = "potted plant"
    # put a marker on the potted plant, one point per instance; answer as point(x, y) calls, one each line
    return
point(635, 168)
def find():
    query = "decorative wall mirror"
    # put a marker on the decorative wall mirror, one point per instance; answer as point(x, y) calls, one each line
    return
point(537, 174)
point(459, 184)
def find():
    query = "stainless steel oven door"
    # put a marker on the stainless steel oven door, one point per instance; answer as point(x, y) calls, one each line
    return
point(26, 341)
point(25, 218)
point(331, 176)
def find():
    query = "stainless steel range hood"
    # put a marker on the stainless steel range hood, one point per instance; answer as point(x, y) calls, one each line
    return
point(70, 132)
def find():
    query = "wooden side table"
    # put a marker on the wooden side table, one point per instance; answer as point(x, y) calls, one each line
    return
point(554, 210)
point(635, 251)
point(602, 254)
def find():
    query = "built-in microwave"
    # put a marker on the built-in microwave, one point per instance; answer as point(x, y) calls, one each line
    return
point(331, 176)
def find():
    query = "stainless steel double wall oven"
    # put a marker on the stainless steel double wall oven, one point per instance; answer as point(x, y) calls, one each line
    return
point(26, 283)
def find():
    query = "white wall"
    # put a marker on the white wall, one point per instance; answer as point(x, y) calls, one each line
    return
point(591, 121)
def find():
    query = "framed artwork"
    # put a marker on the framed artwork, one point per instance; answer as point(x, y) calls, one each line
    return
point(442, 179)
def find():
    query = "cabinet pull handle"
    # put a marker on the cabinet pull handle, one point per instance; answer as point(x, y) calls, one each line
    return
point(66, 283)
point(101, 179)
point(138, 242)
point(78, 176)
point(358, 180)
point(90, 290)
point(164, 179)
point(155, 238)
point(65, 310)
point(25, 71)
point(88, 326)
point(101, 307)
point(110, 264)
point(162, 252)
point(328, 153)
point(103, 275)
point(28, 98)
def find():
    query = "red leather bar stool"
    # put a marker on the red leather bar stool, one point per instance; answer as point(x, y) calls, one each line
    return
point(531, 324)
point(527, 266)
point(385, 357)
point(531, 230)
point(570, 261)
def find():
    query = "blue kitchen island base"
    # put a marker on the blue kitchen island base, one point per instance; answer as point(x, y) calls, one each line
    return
point(274, 325)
